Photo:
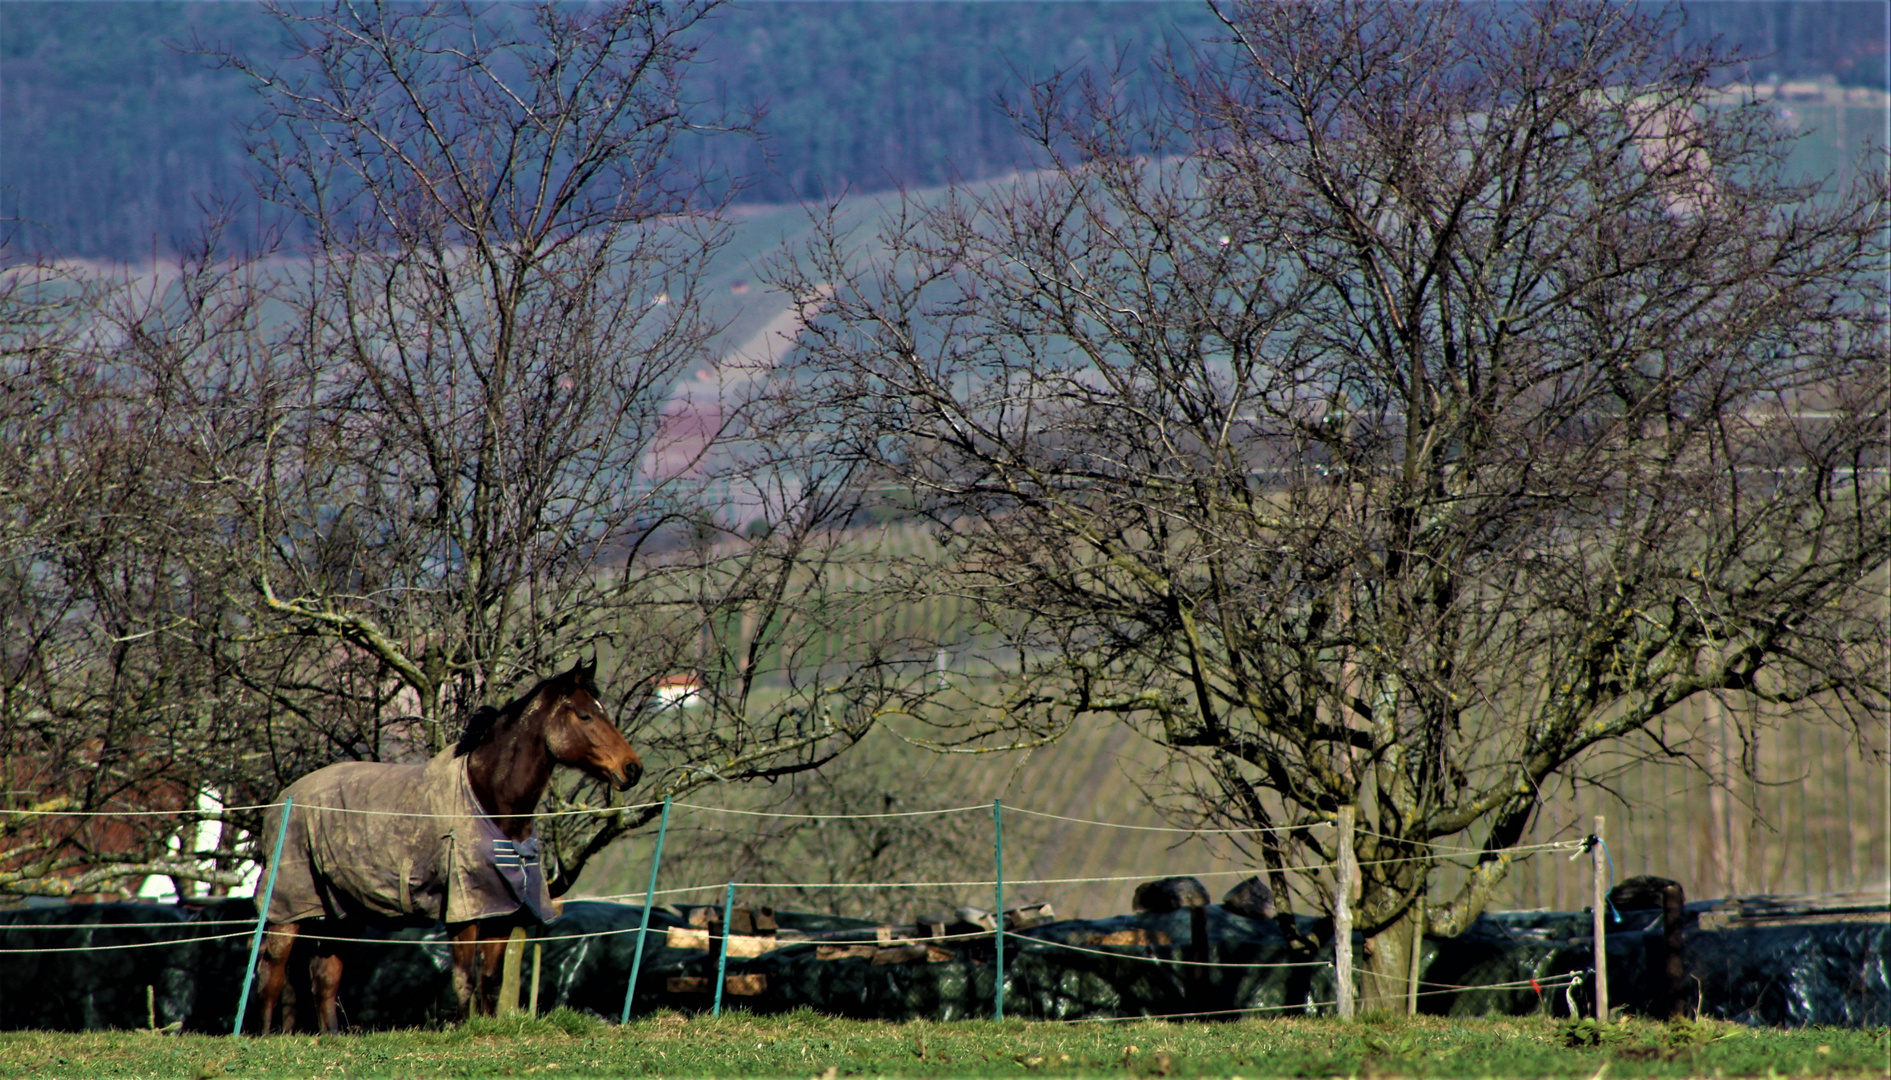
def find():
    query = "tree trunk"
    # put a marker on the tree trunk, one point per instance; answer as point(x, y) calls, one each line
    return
point(1386, 969)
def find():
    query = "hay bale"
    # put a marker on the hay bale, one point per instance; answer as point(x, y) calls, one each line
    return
point(1640, 893)
point(1169, 894)
point(1251, 898)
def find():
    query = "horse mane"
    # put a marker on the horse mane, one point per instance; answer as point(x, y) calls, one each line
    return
point(485, 720)
point(479, 729)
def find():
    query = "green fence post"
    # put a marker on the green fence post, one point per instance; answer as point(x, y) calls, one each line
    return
point(262, 913)
point(998, 917)
point(643, 927)
point(722, 957)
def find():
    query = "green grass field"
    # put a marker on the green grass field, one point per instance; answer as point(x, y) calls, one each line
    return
point(806, 1045)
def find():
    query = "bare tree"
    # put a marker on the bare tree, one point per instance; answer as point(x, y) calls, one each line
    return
point(105, 707)
point(1416, 398)
point(470, 381)
point(481, 461)
point(351, 492)
point(840, 842)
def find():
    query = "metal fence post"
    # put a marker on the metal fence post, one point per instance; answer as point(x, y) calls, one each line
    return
point(1343, 914)
point(262, 914)
point(722, 956)
point(643, 926)
point(998, 916)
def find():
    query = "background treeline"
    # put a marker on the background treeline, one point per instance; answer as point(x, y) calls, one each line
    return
point(1089, 477)
point(114, 135)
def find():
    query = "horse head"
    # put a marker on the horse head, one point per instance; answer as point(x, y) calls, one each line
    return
point(580, 734)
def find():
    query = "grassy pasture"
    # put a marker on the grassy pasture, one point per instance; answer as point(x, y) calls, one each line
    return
point(804, 1044)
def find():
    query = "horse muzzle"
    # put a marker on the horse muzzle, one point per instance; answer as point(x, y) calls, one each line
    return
point(626, 775)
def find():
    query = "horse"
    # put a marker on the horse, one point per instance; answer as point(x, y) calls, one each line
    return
point(452, 840)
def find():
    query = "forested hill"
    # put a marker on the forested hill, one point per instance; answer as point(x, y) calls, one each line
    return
point(112, 136)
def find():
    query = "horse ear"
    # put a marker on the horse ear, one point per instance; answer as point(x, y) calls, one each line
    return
point(586, 670)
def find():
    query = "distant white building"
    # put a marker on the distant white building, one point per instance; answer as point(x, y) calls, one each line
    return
point(681, 691)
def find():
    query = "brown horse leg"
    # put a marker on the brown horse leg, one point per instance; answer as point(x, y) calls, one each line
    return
point(491, 953)
point(325, 986)
point(272, 969)
point(476, 959)
point(466, 967)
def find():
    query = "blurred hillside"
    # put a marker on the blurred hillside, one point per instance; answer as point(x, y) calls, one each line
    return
point(114, 135)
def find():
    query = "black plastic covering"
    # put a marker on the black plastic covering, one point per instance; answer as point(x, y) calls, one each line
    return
point(1830, 971)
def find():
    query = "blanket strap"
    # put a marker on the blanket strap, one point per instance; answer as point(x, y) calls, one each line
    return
point(447, 892)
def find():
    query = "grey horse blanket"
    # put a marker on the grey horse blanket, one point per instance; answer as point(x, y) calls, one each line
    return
point(372, 840)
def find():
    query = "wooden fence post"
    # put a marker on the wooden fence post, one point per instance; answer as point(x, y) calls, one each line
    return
point(1418, 956)
point(998, 898)
point(1598, 856)
point(509, 972)
point(537, 955)
point(1674, 965)
point(1195, 975)
point(1343, 914)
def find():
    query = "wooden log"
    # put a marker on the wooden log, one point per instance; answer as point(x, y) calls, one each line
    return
point(1857, 907)
point(745, 985)
point(1736, 918)
point(741, 946)
point(912, 954)
point(1026, 915)
point(845, 952)
point(1137, 936)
